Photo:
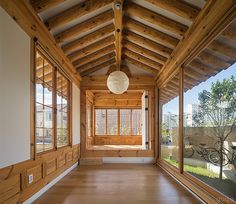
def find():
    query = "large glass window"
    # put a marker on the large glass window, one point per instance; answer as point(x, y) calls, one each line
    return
point(118, 122)
point(51, 106)
point(169, 106)
point(125, 122)
point(210, 131)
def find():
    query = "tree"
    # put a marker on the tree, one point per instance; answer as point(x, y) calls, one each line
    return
point(218, 109)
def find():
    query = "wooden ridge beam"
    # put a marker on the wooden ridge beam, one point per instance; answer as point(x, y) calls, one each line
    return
point(91, 48)
point(211, 21)
point(149, 44)
point(75, 12)
point(98, 67)
point(96, 62)
point(140, 65)
point(144, 52)
point(180, 8)
point(84, 26)
point(42, 5)
point(118, 17)
point(155, 19)
point(99, 53)
point(88, 39)
point(142, 59)
point(29, 21)
point(151, 33)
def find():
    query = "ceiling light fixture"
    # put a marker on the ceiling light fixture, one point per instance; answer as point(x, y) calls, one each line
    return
point(117, 5)
point(118, 82)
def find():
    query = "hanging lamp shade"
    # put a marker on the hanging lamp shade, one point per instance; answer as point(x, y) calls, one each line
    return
point(117, 82)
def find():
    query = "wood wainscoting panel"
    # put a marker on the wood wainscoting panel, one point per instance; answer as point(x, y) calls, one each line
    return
point(118, 140)
point(14, 180)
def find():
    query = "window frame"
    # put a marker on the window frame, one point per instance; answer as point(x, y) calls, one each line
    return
point(55, 68)
point(118, 121)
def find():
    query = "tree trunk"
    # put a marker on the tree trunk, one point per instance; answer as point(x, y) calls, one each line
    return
point(221, 158)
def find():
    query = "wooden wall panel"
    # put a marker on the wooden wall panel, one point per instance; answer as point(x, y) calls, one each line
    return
point(118, 140)
point(14, 180)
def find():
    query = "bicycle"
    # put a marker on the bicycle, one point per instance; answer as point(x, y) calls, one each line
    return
point(228, 157)
point(201, 149)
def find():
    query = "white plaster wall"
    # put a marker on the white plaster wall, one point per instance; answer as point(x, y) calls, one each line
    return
point(75, 114)
point(14, 92)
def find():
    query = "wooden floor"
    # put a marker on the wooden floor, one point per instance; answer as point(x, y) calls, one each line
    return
point(115, 147)
point(118, 184)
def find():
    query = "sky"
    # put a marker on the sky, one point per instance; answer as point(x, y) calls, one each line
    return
point(191, 96)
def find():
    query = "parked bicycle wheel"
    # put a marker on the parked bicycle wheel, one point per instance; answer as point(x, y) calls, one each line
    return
point(214, 158)
point(188, 152)
point(205, 153)
point(234, 163)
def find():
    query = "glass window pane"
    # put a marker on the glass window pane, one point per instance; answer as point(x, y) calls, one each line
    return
point(210, 132)
point(125, 115)
point(39, 93)
point(169, 101)
point(136, 122)
point(48, 97)
point(39, 115)
point(112, 121)
point(100, 118)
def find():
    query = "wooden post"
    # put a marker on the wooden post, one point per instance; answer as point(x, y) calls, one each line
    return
point(181, 112)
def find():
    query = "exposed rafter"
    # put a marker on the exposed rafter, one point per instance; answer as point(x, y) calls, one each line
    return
point(77, 11)
point(155, 19)
point(88, 39)
point(84, 26)
point(177, 7)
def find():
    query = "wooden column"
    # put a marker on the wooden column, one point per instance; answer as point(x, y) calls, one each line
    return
point(181, 124)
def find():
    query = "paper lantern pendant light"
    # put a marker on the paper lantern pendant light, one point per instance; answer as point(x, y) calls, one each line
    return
point(118, 82)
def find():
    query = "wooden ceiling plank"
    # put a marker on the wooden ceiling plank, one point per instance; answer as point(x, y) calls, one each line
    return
point(96, 62)
point(42, 5)
point(75, 12)
point(84, 26)
point(230, 33)
point(99, 53)
point(88, 39)
point(211, 21)
point(118, 17)
point(177, 7)
point(212, 60)
point(152, 33)
point(91, 48)
point(98, 67)
point(223, 49)
point(139, 64)
point(155, 18)
point(123, 68)
point(145, 52)
point(149, 44)
point(142, 59)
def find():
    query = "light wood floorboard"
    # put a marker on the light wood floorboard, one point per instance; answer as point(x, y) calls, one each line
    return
point(118, 184)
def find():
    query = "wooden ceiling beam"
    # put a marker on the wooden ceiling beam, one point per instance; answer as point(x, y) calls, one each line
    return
point(230, 32)
point(144, 52)
point(26, 17)
point(150, 32)
point(98, 67)
point(180, 8)
point(91, 48)
point(84, 26)
point(149, 44)
point(155, 19)
point(142, 59)
point(42, 5)
point(140, 65)
point(211, 21)
point(212, 60)
point(223, 49)
point(118, 17)
point(75, 12)
point(88, 39)
point(99, 53)
point(96, 62)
